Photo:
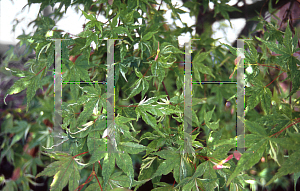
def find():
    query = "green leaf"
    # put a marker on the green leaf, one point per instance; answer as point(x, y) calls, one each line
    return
point(97, 146)
point(121, 30)
point(249, 158)
point(287, 41)
point(200, 57)
point(182, 170)
point(294, 74)
point(124, 162)
point(93, 187)
point(277, 48)
point(108, 166)
point(205, 70)
point(200, 170)
point(18, 86)
point(65, 170)
point(208, 115)
point(137, 89)
point(266, 100)
point(121, 119)
point(148, 36)
point(291, 165)
point(131, 148)
point(255, 128)
point(213, 125)
point(210, 174)
point(89, 16)
point(80, 68)
point(31, 89)
point(166, 167)
point(88, 110)
point(148, 167)
point(296, 176)
point(145, 86)
point(286, 142)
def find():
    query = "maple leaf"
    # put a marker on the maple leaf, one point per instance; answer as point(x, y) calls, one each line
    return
point(65, 170)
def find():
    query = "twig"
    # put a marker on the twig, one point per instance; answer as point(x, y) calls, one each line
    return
point(40, 71)
point(262, 7)
point(110, 19)
point(98, 180)
point(80, 154)
point(160, 5)
point(165, 89)
point(285, 128)
point(274, 80)
point(146, 71)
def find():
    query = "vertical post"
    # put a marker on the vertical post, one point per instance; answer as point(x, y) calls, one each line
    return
point(187, 98)
point(110, 104)
point(240, 98)
point(57, 92)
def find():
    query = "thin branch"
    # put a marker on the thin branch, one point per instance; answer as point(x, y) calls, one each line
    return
point(285, 128)
point(274, 80)
point(160, 5)
point(40, 71)
point(98, 180)
point(165, 89)
point(80, 154)
point(110, 19)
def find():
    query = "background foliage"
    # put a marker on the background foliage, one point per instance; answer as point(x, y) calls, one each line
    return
point(149, 102)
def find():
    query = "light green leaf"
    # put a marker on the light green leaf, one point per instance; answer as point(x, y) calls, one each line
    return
point(88, 110)
point(211, 175)
point(148, 36)
point(145, 85)
point(65, 170)
point(296, 176)
point(121, 30)
point(97, 146)
point(108, 166)
point(18, 86)
point(165, 167)
point(132, 148)
point(31, 89)
point(200, 169)
point(121, 119)
point(213, 125)
point(277, 48)
point(200, 57)
point(147, 117)
point(291, 165)
point(137, 89)
point(183, 169)
point(208, 115)
point(266, 100)
point(89, 16)
point(93, 187)
point(255, 128)
point(124, 162)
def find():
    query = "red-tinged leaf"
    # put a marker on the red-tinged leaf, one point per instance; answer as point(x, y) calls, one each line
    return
point(110, 2)
point(227, 159)
point(216, 167)
point(237, 155)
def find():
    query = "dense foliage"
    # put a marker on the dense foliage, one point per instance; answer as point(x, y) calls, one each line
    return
point(149, 104)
